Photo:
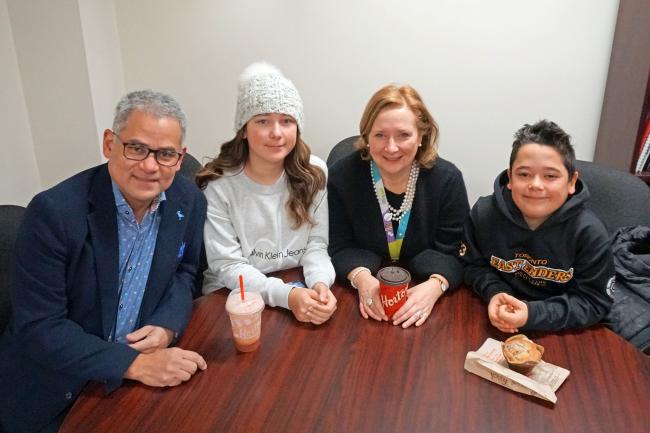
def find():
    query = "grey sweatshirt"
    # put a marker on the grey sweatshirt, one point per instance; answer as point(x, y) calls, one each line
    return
point(248, 231)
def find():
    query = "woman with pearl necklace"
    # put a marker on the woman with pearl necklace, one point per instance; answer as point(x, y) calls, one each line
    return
point(395, 201)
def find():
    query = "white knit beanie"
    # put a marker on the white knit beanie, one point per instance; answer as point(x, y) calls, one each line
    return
point(263, 89)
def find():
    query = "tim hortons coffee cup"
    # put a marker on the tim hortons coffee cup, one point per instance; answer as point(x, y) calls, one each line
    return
point(393, 284)
point(246, 319)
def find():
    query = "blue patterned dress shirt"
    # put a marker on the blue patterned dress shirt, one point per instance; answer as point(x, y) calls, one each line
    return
point(137, 244)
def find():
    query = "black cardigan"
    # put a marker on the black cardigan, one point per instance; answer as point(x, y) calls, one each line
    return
point(432, 239)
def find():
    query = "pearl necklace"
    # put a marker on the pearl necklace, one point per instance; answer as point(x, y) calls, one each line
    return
point(397, 214)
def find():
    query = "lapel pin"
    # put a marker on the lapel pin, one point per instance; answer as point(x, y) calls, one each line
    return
point(179, 215)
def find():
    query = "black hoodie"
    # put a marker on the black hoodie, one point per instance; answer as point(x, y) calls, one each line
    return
point(562, 269)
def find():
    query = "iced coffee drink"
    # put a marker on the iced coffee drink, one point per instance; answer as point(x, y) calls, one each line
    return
point(246, 319)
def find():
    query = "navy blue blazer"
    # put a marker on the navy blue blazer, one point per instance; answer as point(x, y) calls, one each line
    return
point(65, 293)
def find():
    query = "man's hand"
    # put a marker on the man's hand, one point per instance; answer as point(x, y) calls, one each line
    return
point(507, 313)
point(165, 367)
point(150, 338)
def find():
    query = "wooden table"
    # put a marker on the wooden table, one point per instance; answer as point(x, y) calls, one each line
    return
point(353, 375)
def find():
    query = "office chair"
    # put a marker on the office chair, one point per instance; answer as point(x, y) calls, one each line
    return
point(341, 150)
point(10, 217)
point(618, 198)
point(189, 167)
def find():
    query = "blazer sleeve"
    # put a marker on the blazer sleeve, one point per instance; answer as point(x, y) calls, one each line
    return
point(443, 257)
point(587, 301)
point(40, 302)
point(175, 308)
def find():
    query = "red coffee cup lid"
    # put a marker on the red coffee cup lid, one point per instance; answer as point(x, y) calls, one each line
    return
point(394, 275)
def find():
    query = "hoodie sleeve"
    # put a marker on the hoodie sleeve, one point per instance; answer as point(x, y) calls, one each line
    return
point(478, 272)
point(588, 300)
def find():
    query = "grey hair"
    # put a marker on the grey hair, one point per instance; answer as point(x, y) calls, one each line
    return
point(155, 103)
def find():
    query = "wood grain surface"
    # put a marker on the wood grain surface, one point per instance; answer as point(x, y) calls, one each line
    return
point(356, 375)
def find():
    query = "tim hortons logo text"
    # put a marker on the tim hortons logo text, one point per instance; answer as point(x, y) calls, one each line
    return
point(390, 302)
point(532, 268)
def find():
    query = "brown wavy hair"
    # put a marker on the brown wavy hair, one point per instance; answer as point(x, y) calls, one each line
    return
point(304, 179)
point(394, 96)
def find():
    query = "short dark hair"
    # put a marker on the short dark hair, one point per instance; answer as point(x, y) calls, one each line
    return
point(547, 133)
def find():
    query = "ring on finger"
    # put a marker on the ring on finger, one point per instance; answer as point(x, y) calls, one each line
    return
point(418, 314)
point(369, 301)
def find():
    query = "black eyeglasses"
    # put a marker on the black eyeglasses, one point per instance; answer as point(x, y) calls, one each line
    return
point(140, 152)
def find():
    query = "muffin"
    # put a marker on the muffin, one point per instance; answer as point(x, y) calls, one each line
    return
point(521, 353)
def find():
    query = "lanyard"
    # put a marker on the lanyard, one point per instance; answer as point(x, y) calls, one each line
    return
point(394, 242)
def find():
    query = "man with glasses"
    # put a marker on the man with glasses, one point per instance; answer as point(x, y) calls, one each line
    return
point(104, 268)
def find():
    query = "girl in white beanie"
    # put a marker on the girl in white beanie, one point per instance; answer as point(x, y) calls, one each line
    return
point(267, 201)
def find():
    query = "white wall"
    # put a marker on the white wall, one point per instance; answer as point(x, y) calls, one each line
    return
point(104, 60)
point(62, 75)
point(19, 177)
point(483, 67)
point(53, 66)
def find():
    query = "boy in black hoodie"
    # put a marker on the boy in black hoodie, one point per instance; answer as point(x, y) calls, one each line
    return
point(533, 252)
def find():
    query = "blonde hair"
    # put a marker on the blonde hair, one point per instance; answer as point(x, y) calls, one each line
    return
point(394, 96)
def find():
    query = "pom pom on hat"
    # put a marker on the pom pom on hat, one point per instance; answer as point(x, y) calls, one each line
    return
point(263, 89)
point(258, 68)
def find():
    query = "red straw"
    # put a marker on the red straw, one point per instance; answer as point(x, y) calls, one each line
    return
point(241, 286)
